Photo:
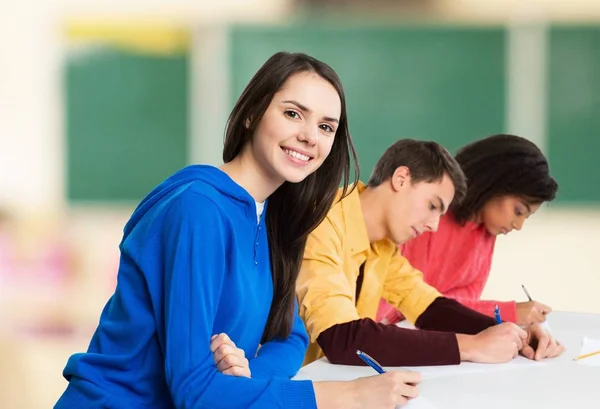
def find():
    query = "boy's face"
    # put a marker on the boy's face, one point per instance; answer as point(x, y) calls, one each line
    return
point(416, 207)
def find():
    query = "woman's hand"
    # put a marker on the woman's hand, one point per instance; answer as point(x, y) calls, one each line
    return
point(230, 359)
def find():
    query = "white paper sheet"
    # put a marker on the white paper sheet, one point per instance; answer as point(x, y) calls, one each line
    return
point(587, 346)
point(419, 403)
point(464, 368)
point(322, 370)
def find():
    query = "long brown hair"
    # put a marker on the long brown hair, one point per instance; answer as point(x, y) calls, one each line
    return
point(308, 201)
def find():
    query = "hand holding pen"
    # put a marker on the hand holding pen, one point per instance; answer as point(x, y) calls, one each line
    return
point(496, 344)
point(531, 312)
point(404, 382)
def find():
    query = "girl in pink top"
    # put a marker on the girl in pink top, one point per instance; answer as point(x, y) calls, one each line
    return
point(508, 180)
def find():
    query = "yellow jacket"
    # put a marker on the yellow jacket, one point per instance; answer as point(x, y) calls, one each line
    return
point(326, 286)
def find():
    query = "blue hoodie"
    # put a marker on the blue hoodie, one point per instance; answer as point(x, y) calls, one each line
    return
point(194, 263)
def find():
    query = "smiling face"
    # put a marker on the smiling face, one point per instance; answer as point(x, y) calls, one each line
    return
point(503, 214)
point(297, 130)
point(416, 208)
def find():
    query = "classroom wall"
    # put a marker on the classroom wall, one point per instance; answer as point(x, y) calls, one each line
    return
point(31, 38)
point(554, 256)
point(31, 99)
point(30, 139)
point(499, 10)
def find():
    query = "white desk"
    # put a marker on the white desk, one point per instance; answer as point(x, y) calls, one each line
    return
point(558, 383)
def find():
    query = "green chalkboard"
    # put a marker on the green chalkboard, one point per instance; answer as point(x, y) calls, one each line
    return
point(437, 83)
point(574, 112)
point(126, 122)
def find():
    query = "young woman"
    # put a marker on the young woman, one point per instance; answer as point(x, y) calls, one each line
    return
point(204, 313)
point(508, 180)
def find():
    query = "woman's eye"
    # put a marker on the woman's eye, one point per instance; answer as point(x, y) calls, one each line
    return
point(292, 114)
point(326, 128)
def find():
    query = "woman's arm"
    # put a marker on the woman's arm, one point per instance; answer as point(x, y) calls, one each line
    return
point(193, 247)
point(268, 361)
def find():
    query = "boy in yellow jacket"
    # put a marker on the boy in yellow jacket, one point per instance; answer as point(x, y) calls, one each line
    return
point(352, 260)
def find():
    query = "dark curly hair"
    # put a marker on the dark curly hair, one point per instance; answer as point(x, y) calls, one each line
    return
point(502, 165)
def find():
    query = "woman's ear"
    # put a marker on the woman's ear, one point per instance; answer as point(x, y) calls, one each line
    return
point(400, 178)
point(247, 123)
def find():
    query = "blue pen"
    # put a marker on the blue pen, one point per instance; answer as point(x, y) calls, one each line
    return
point(497, 315)
point(371, 362)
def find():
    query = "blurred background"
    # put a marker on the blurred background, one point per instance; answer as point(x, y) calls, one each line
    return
point(100, 100)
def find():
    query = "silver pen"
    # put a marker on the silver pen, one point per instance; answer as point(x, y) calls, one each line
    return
point(526, 292)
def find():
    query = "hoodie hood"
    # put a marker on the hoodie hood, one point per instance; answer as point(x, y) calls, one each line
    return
point(206, 174)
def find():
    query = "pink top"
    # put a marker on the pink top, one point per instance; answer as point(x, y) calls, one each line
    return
point(457, 261)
